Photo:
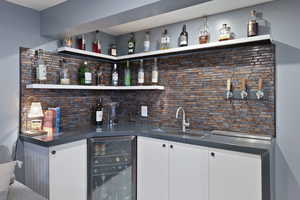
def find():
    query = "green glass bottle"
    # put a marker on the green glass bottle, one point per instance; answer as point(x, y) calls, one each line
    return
point(127, 78)
point(84, 75)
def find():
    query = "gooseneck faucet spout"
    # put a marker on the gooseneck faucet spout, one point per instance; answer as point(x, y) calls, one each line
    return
point(185, 123)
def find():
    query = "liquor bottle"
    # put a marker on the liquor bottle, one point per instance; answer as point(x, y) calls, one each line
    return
point(147, 42)
point(127, 78)
point(183, 38)
point(41, 70)
point(225, 33)
point(81, 42)
point(131, 44)
point(155, 72)
point(115, 76)
point(99, 77)
point(204, 34)
point(97, 44)
point(252, 25)
point(113, 50)
point(141, 74)
point(99, 112)
point(85, 75)
point(165, 40)
point(64, 73)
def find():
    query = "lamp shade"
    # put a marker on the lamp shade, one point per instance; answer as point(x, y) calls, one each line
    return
point(36, 110)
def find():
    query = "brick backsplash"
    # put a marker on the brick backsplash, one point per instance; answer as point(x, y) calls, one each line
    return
point(195, 81)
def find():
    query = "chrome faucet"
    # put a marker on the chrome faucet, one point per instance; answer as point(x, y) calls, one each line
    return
point(185, 123)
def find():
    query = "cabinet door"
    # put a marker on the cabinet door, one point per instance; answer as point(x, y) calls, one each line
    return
point(188, 169)
point(152, 173)
point(234, 176)
point(68, 171)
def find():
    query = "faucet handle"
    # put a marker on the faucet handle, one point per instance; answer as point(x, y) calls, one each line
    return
point(187, 123)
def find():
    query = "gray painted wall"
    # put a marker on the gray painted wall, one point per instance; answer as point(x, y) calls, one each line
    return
point(281, 19)
point(19, 27)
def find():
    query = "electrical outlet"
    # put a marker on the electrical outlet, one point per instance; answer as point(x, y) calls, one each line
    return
point(144, 111)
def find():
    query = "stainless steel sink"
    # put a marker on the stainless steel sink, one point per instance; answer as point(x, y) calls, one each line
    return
point(188, 134)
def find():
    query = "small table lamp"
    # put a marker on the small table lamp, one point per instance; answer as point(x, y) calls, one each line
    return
point(36, 118)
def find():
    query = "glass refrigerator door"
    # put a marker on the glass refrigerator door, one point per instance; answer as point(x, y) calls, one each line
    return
point(112, 168)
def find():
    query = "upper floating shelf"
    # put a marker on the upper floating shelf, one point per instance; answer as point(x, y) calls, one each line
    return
point(260, 38)
point(88, 87)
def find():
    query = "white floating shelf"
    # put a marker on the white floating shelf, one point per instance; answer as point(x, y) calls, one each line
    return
point(168, 51)
point(87, 87)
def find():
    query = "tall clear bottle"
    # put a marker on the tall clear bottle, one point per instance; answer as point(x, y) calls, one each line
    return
point(97, 44)
point(115, 76)
point(141, 73)
point(147, 42)
point(41, 70)
point(165, 40)
point(127, 74)
point(154, 79)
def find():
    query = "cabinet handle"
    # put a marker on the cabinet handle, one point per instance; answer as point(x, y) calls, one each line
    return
point(171, 146)
point(53, 152)
point(164, 145)
point(212, 154)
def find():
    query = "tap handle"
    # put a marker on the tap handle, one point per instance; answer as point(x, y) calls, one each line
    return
point(243, 84)
point(229, 84)
point(260, 84)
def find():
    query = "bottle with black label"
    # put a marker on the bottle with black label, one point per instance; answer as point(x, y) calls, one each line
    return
point(131, 44)
point(99, 112)
point(115, 76)
point(252, 25)
point(183, 38)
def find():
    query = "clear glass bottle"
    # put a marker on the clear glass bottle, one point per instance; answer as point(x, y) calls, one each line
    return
point(127, 74)
point(131, 44)
point(41, 70)
point(64, 73)
point(204, 34)
point(115, 76)
point(184, 37)
point(147, 42)
point(252, 29)
point(113, 50)
point(154, 79)
point(225, 33)
point(141, 73)
point(99, 77)
point(165, 40)
point(96, 44)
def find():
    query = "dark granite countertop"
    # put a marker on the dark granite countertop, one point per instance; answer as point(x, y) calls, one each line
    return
point(253, 146)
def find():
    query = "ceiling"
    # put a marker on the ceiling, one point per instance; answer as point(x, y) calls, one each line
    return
point(204, 9)
point(37, 4)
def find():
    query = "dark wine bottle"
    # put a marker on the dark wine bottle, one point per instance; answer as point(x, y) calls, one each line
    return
point(99, 112)
point(183, 38)
point(131, 44)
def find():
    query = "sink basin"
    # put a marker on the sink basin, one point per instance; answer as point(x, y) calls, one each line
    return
point(187, 134)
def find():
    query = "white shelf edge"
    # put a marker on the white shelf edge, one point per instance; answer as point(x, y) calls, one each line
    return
point(85, 53)
point(84, 87)
point(169, 51)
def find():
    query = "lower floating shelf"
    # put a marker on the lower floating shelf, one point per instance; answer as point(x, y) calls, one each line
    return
point(87, 87)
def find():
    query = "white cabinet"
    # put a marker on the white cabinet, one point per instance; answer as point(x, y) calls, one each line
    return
point(152, 173)
point(58, 172)
point(188, 172)
point(234, 176)
point(173, 171)
point(68, 171)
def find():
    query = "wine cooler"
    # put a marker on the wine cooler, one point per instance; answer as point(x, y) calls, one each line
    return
point(112, 168)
